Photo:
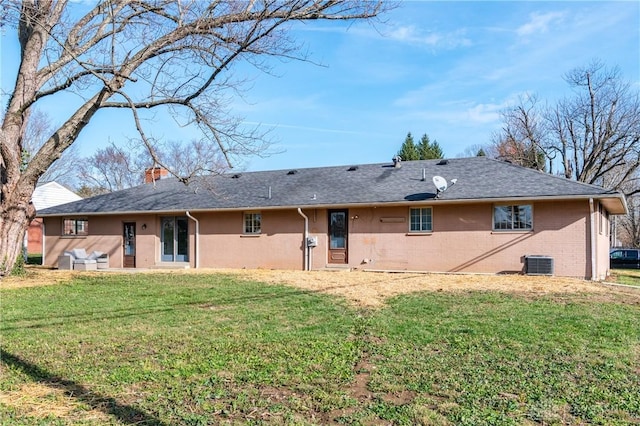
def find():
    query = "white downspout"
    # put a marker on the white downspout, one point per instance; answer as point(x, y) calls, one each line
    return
point(306, 236)
point(593, 240)
point(44, 246)
point(197, 244)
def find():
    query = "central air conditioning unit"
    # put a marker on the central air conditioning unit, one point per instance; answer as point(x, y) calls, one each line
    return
point(538, 265)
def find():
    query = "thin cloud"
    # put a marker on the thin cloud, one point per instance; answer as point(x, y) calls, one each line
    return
point(485, 113)
point(539, 23)
point(410, 34)
point(305, 128)
point(462, 112)
point(405, 34)
point(311, 102)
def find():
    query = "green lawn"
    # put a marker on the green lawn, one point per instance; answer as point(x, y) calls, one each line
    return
point(627, 276)
point(193, 349)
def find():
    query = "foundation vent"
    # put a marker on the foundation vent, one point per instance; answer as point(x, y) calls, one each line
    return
point(538, 265)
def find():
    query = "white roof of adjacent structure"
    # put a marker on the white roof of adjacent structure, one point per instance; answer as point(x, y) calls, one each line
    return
point(52, 194)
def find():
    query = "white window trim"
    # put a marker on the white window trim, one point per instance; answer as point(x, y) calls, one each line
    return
point(510, 230)
point(244, 223)
point(415, 232)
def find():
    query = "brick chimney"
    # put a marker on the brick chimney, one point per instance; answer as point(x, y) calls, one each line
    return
point(152, 174)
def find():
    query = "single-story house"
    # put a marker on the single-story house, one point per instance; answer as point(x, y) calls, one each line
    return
point(494, 217)
point(45, 195)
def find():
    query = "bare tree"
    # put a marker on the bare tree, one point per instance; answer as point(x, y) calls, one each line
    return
point(522, 138)
point(626, 229)
point(628, 226)
point(595, 134)
point(63, 170)
point(110, 169)
point(192, 158)
point(477, 150)
point(136, 55)
point(118, 167)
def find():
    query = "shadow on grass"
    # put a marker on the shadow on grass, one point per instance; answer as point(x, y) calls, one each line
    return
point(124, 413)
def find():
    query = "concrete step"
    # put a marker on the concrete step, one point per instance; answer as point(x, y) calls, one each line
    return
point(171, 265)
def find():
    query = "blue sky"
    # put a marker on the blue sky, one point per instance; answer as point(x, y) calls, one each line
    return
point(446, 69)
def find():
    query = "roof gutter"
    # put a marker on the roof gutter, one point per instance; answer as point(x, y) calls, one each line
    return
point(197, 243)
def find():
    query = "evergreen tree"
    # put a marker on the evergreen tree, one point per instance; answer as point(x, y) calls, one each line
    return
point(409, 151)
point(428, 150)
point(481, 153)
point(424, 148)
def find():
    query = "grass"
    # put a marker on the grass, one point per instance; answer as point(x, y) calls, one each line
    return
point(627, 276)
point(209, 349)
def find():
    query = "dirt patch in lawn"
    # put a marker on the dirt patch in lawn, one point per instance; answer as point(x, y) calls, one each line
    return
point(371, 289)
point(34, 277)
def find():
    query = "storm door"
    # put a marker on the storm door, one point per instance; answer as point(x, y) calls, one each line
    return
point(338, 236)
point(175, 239)
point(129, 244)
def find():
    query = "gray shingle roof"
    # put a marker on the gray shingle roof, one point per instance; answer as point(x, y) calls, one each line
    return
point(478, 178)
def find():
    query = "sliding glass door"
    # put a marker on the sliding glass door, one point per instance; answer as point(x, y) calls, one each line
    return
point(175, 239)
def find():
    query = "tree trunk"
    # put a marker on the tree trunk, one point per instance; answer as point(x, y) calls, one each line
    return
point(17, 212)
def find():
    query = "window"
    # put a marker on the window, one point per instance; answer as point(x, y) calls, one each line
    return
point(513, 218)
point(252, 223)
point(420, 220)
point(75, 226)
point(603, 219)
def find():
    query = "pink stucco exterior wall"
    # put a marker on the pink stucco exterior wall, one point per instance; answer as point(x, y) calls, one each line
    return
point(462, 239)
point(105, 235)
point(279, 246)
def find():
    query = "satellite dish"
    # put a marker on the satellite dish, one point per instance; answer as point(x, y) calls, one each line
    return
point(440, 183)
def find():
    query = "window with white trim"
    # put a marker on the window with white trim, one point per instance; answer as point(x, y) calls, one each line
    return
point(513, 217)
point(74, 226)
point(601, 218)
point(420, 219)
point(252, 223)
